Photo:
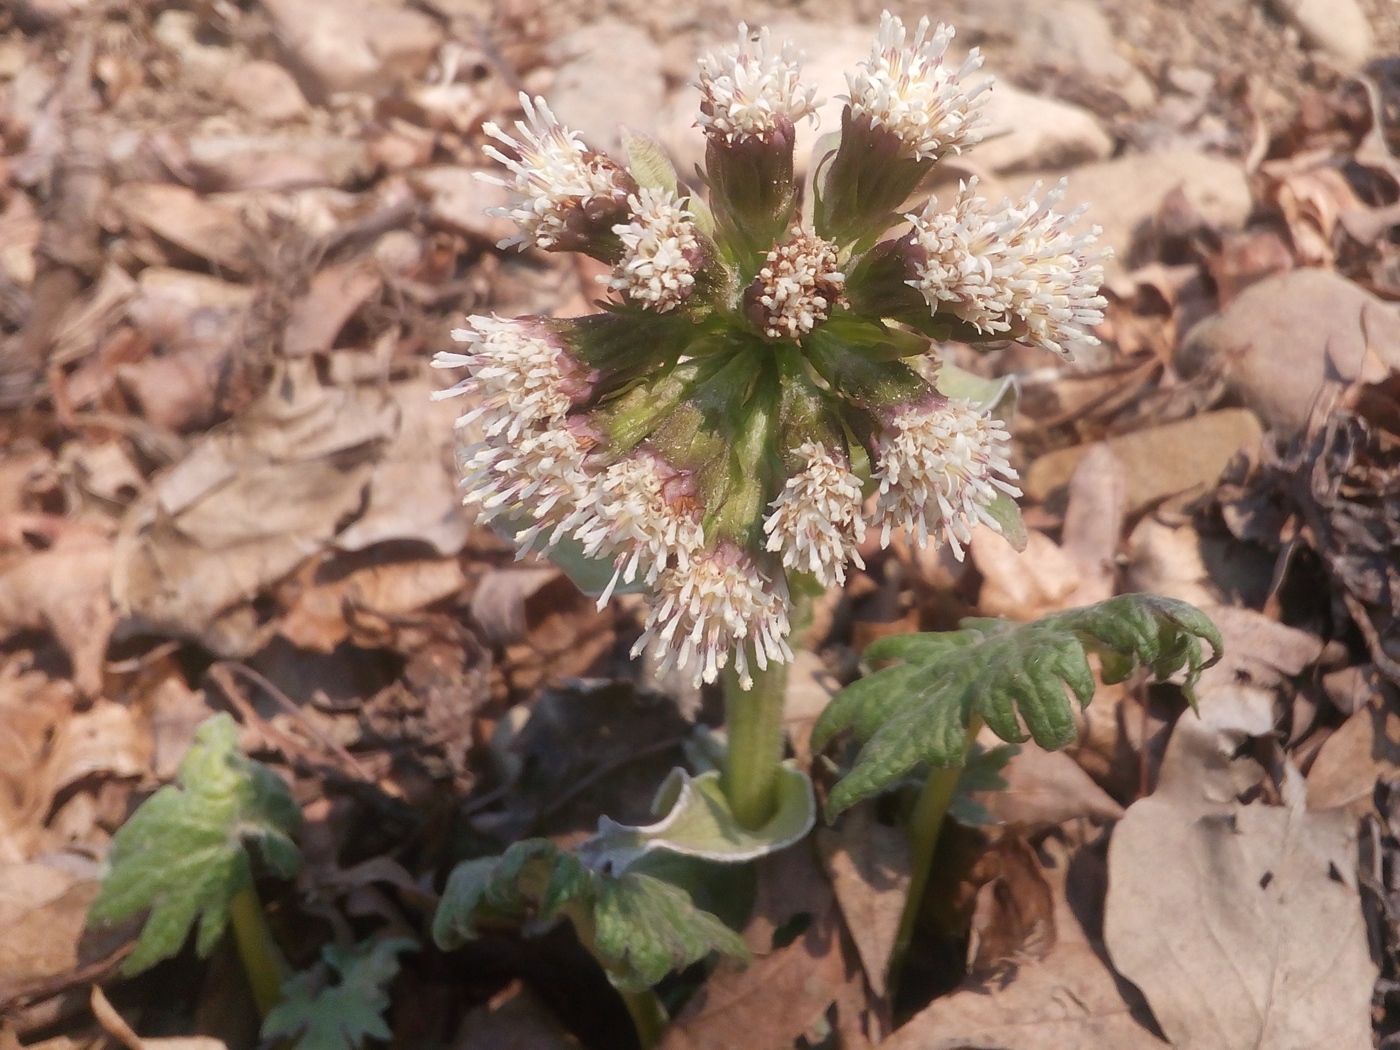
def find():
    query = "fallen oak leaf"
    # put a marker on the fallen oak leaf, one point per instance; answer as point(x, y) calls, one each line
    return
point(1242, 924)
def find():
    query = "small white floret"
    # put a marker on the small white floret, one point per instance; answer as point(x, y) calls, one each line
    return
point(816, 520)
point(660, 246)
point(748, 87)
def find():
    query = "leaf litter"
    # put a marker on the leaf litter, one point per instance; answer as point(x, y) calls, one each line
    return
point(228, 246)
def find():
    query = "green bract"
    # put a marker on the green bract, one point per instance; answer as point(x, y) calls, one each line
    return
point(1012, 676)
point(343, 1015)
point(183, 855)
point(639, 927)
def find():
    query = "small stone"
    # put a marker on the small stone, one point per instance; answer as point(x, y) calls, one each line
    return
point(609, 76)
point(1072, 40)
point(1337, 27)
point(356, 45)
point(265, 90)
point(1124, 194)
point(1283, 337)
point(1159, 462)
point(1030, 133)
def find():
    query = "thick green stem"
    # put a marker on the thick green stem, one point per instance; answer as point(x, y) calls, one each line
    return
point(925, 824)
point(648, 1016)
point(262, 959)
point(753, 720)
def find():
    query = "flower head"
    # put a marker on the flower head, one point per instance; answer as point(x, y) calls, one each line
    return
point(910, 91)
point(522, 374)
point(644, 511)
point(717, 604)
point(661, 251)
point(816, 520)
point(1012, 268)
point(749, 89)
point(939, 469)
point(562, 188)
point(542, 478)
point(797, 287)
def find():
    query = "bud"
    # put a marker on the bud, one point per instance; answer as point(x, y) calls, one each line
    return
point(750, 102)
point(797, 288)
point(906, 110)
point(661, 251)
point(568, 198)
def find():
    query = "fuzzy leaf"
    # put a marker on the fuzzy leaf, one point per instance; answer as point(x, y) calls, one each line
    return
point(343, 1015)
point(699, 824)
point(647, 162)
point(183, 854)
point(1014, 676)
point(997, 396)
point(640, 927)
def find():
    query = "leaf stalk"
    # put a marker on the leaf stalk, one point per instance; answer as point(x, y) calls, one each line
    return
point(925, 826)
point(263, 961)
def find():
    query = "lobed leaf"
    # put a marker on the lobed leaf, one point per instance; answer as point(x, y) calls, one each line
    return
point(183, 854)
point(343, 1015)
point(640, 927)
point(1015, 677)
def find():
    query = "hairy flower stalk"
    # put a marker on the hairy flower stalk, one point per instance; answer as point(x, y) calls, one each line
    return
point(745, 408)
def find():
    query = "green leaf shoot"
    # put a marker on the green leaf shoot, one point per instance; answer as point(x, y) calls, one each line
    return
point(1013, 676)
point(637, 926)
point(183, 855)
point(699, 823)
point(339, 1016)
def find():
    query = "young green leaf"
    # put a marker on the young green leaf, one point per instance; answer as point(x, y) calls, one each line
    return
point(1014, 676)
point(639, 927)
point(699, 823)
point(183, 854)
point(343, 1015)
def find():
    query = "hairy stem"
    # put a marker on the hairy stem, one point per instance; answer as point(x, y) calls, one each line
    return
point(648, 1016)
point(925, 824)
point(262, 959)
point(753, 719)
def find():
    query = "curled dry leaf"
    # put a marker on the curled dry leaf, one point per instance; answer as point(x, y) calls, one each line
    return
point(1241, 924)
point(1069, 998)
point(1022, 586)
point(868, 864)
point(248, 505)
point(1364, 750)
point(1044, 788)
point(64, 590)
point(785, 990)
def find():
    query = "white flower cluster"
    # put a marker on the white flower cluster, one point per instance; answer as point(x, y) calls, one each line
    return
point(660, 245)
point(1012, 266)
point(717, 605)
point(939, 469)
point(748, 87)
point(798, 286)
point(554, 177)
point(816, 520)
point(911, 92)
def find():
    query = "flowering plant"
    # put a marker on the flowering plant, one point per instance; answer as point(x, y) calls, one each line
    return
point(756, 398)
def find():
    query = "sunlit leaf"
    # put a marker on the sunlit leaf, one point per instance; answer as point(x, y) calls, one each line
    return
point(1016, 677)
point(183, 855)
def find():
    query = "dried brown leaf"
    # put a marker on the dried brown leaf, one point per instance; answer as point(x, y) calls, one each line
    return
point(1070, 998)
point(1241, 923)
